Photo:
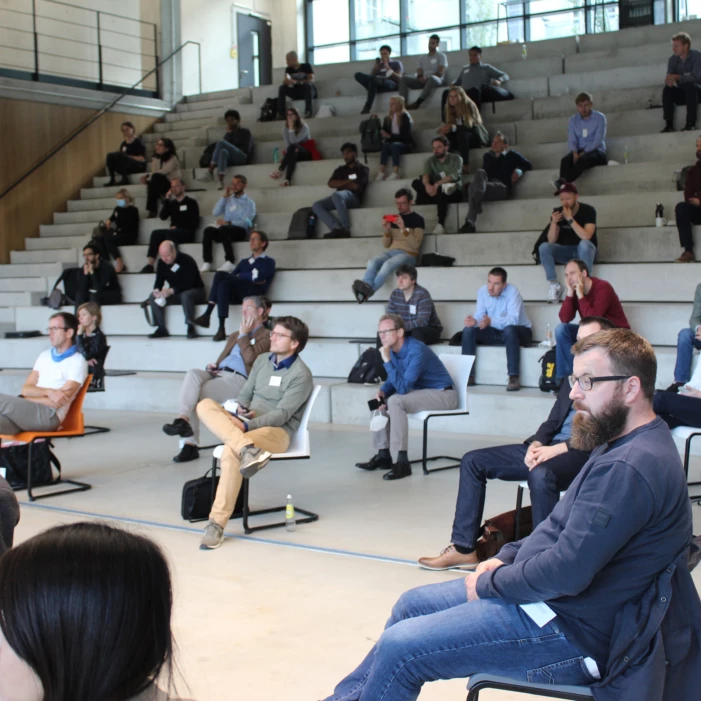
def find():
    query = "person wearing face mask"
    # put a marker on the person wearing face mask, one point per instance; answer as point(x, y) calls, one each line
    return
point(97, 280)
point(688, 212)
point(130, 158)
point(121, 229)
point(165, 167)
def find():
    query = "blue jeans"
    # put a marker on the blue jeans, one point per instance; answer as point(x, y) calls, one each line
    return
point(396, 149)
point(341, 201)
point(551, 253)
point(677, 409)
point(513, 337)
point(374, 85)
point(686, 342)
point(434, 633)
point(565, 338)
point(226, 155)
point(382, 266)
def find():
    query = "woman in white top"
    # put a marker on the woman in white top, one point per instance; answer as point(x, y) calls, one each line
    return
point(295, 133)
point(164, 167)
point(397, 137)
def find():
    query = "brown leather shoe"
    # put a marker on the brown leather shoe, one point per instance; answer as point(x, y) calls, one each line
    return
point(514, 384)
point(449, 559)
point(686, 257)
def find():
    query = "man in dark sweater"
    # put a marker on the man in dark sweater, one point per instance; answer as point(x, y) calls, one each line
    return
point(184, 215)
point(97, 279)
point(180, 271)
point(233, 149)
point(501, 169)
point(682, 84)
point(297, 85)
point(9, 515)
point(600, 553)
point(688, 212)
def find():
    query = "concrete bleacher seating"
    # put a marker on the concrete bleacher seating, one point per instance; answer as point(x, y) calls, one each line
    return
point(314, 277)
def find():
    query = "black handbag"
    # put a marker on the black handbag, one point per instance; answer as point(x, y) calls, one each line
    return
point(15, 459)
point(198, 497)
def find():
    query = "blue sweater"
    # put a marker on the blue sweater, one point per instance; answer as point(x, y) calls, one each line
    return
point(264, 266)
point(416, 366)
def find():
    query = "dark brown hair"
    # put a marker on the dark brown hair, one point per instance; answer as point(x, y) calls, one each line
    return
point(298, 329)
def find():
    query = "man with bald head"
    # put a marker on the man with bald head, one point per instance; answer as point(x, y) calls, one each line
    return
point(184, 287)
point(297, 85)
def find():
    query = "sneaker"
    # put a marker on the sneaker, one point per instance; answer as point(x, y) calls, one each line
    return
point(205, 267)
point(110, 183)
point(202, 321)
point(179, 427)
point(189, 452)
point(450, 559)
point(558, 183)
point(439, 230)
point(308, 114)
point(228, 267)
point(192, 332)
point(375, 463)
point(674, 387)
point(380, 177)
point(160, 332)
point(252, 460)
point(467, 228)
point(147, 269)
point(689, 127)
point(338, 234)
point(207, 176)
point(393, 176)
point(362, 287)
point(365, 110)
point(213, 536)
point(668, 129)
point(514, 384)
point(686, 257)
point(448, 188)
point(554, 292)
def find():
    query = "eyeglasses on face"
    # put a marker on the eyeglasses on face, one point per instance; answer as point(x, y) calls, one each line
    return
point(586, 382)
point(56, 328)
point(385, 332)
point(279, 335)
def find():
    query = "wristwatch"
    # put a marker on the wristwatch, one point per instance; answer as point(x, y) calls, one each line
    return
point(569, 221)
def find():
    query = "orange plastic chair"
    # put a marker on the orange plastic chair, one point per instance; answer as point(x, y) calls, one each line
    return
point(73, 426)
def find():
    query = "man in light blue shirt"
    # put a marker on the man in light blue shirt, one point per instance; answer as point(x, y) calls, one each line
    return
point(499, 320)
point(235, 213)
point(586, 140)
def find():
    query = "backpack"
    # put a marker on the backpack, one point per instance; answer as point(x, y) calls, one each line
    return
point(302, 224)
point(541, 239)
point(436, 260)
point(548, 379)
point(370, 136)
point(268, 110)
point(369, 369)
point(57, 299)
point(14, 459)
point(326, 111)
point(206, 157)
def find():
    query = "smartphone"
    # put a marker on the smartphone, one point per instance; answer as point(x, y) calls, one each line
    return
point(391, 218)
point(374, 404)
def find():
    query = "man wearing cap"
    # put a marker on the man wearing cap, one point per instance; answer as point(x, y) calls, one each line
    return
point(570, 234)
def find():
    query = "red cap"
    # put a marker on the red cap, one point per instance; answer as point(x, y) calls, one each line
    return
point(567, 187)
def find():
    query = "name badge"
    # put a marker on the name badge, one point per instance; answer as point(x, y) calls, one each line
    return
point(434, 61)
point(183, 208)
point(442, 174)
point(3, 472)
point(234, 207)
point(251, 260)
point(585, 133)
point(352, 176)
point(254, 274)
point(540, 613)
point(275, 381)
point(124, 148)
point(412, 309)
point(253, 341)
point(175, 268)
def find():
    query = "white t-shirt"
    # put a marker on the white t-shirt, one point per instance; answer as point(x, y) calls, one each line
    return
point(54, 375)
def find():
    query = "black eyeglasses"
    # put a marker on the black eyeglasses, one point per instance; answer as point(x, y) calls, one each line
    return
point(586, 382)
point(386, 331)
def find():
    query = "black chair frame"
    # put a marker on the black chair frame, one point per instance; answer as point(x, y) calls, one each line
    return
point(535, 690)
point(687, 457)
point(424, 459)
point(98, 385)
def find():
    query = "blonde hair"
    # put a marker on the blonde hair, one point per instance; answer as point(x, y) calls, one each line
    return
point(465, 109)
point(400, 102)
point(126, 194)
point(93, 309)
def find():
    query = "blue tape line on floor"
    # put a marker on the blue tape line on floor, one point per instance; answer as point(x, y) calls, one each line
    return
point(192, 529)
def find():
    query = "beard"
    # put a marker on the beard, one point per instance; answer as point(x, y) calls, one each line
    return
point(589, 432)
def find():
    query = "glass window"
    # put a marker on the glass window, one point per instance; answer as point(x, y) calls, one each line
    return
point(331, 22)
point(370, 50)
point(427, 14)
point(375, 18)
point(561, 24)
point(483, 10)
point(418, 43)
point(603, 18)
point(331, 54)
point(493, 33)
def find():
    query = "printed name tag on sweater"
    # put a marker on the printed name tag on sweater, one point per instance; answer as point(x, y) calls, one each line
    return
point(254, 274)
point(540, 613)
point(352, 176)
point(275, 381)
point(585, 133)
point(175, 268)
point(412, 309)
point(183, 208)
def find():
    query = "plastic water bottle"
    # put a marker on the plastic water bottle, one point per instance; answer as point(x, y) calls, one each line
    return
point(625, 155)
point(276, 155)
point(290, 518)
point(524, 52)
point(549, 337)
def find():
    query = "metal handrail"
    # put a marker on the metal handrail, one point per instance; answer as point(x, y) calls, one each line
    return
point(99, 113)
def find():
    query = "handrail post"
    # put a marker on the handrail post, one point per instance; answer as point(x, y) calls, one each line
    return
point(155, 58)
point(99, 53)
point(36, 41)
point(199, 64)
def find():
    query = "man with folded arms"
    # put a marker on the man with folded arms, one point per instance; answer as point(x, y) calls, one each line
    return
point(270, 409)
point(221, 380)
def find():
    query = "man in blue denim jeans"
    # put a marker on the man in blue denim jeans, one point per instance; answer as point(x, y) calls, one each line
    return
point(233, 149)
point(688, 340)
point(625, 517)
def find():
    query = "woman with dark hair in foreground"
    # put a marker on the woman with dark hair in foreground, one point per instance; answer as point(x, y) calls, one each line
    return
point(85, 615)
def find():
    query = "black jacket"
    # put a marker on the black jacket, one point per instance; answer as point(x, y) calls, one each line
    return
point(405, 130)
point(502, 167)
point(103, 280)
point(187, 218)
point(182, 275)
point(551, 427)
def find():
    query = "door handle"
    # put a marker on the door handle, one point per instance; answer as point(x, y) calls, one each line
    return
point(242, 73)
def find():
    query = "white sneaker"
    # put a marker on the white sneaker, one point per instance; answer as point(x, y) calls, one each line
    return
point(205, 267)
point(393, 176)
point(554, 292)
point(380, 177)
point(228, 267)
point(439, 230)
point(448, 188)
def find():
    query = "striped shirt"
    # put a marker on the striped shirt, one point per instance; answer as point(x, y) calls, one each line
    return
point(417, 311)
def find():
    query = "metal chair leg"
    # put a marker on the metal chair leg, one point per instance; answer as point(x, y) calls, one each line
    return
point(425, 459)
point(519, 506)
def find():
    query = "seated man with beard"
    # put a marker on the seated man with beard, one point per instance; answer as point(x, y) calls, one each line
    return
point(618, 538)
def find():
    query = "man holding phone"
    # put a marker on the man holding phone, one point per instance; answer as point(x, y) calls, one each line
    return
point(384, 77)
point(222, 379)
point(402, 236)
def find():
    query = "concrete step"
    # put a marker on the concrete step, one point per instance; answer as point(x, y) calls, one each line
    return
point(50, 270)
point(635, 76)
point(62, 255)
point(20, 299)
point(606, 101)
point(618, 56)
point(636, 37)
point(25, 284)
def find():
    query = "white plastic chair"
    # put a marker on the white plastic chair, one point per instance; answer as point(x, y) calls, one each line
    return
point(687, 434)
point(299, 449)
point(458, 367)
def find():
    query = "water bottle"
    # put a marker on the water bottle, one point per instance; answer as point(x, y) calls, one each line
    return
point(276, 155)
point(524, 52)
point(549, 337)
point(290, 518)
point(625, 155)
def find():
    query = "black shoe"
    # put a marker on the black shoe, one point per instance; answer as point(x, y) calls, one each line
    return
point(202, 321)
point(365, 110)
point(668, 129)
point(467, 228)
point(124, 181)
point(110, 183)
point(191, 332)
point(689, 127)
point(179, 427)
point(160, 332)
point(338, 234)
point(557, 184)
point(674, 387)
point(188, 452)
point(375, 463)
point(219, 335)
point(362, 291)
point(399, 471)
point(308, 114)
point(147, 269)
point(471, 382)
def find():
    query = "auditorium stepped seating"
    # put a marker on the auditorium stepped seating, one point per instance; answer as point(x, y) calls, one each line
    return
point(314, 276)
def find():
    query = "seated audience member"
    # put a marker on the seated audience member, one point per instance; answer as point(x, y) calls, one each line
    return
point(414, 304)
point(97, 279)
point(441, 182)
point(546, 460)
point(682, 408)
point(430, 73)
point(416, 381)
point(235, 212)
point(271, 404)
point(500, 319)
point(221, 380)
point(51, 386)
point(184, 215)
point(402, 237)
point(130, 158)
point(109, 593)
point(481, 81)
point(597, 563)
point(688, 340)
point(350, 181)
point(9, 515)
point(121, 229)
point(233, 149)
point(384, 77)
point(586, 139)
point(682, 84)
point(185, 287)
point(397, 137)
point(688, 212)
point(295, 134)
point(462, 125)
point(165, 167)
point(570, 234)
point(297, 85)
point(91, 342)
point(250, 278)
point(590, 297)
point(501, 169)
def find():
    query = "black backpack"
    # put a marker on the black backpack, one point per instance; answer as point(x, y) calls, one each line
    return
point(302, 224)
point(16, 458)
point(206, 157)
point(548, 377)
point(268, 110)
point(370, 136)
point(70, 279)
point(436, 260)
point(369, 370)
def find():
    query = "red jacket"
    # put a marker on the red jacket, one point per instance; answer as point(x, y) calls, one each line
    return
point(601, 301)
